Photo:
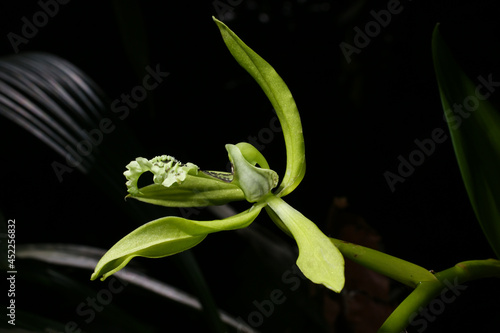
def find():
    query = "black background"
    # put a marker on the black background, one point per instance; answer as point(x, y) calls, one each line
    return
point(358, 117)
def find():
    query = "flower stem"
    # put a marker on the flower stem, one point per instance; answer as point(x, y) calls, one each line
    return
point(448, 283)
point(400, 270)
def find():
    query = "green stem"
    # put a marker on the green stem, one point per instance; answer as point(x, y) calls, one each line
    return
point(448, 284)
point(404, 314)
point(427, 285)
point(392, 267)
point(471, 270)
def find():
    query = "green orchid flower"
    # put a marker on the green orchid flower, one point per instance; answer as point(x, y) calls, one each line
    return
point(185, 185)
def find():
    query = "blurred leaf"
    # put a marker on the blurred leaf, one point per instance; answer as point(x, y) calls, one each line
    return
point(475, 132)
point(86, 257)
point(132, 28)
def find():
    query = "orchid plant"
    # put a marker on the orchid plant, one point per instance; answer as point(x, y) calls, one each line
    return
point(186, 185)
point(321, 258)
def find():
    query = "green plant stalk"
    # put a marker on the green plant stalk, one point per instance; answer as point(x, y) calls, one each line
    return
point(402, 316)
point(397, 269)
point(197, 281)
point(472, 270)
point(427, 285)
point(426, 291)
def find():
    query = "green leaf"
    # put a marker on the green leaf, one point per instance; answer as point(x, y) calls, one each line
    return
point(475, 132)
point(166, 236)
point(319, 259)
point(254, 182)
point(281, 99)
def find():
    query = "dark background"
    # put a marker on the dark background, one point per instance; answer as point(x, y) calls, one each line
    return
point(358, 117)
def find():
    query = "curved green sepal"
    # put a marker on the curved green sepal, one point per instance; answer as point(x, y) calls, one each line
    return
point(281, 99)
point(475, 133)
point(319, 260)
point(166, 170)
point(254, 182)
point(166, 236)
